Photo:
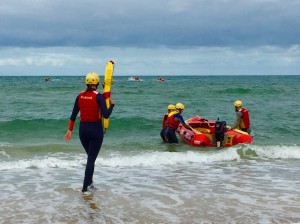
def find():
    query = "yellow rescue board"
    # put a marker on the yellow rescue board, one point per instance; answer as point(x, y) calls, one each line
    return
point(107, 88)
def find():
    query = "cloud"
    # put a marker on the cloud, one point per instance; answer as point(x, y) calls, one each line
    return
point(136, 23)
point(266, 60)
point(171, 37)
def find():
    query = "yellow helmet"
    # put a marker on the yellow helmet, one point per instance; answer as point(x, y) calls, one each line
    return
point(179, 106)
point(238, 103)
point(171, 107)
point(92, 78)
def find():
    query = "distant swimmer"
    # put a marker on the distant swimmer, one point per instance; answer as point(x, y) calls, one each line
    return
point(174, 119)
point(47, 78)
point(170, 108)
point(242, 117)
point(92, 107)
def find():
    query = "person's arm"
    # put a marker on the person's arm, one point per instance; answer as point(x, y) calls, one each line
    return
point(238, 120)
point(179, 118)
point(75, 111)
point(106, 112)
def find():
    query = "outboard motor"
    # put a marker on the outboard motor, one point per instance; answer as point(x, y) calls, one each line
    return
point(220, 129)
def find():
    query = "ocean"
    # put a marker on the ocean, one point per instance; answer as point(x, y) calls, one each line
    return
point(140, 179)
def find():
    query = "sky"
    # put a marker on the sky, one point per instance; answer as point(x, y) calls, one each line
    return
point(150, 37)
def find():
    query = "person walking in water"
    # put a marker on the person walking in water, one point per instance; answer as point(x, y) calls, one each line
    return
point(242, 117)
point(171, 108)
point(174, 119)
point(92, 107)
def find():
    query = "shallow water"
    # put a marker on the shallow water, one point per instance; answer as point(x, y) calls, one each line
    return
point(155, 187)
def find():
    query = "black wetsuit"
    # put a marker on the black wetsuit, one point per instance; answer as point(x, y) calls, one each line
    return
point(91, 137)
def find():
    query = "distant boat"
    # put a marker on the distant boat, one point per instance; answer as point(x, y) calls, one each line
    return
point(136, 78)
point(160, 79)
point(47, 79)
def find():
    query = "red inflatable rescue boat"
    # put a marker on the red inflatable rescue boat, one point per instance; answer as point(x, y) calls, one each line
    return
point(212, 133)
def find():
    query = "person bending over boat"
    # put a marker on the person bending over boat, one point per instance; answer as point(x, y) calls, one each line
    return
point(171, 108)
point(174, 119)
point(242, 117)
point(92, 107)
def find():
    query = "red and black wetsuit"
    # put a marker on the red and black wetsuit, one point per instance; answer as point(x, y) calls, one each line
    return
point(172, 126)
point(164, 127)
point(92, 107)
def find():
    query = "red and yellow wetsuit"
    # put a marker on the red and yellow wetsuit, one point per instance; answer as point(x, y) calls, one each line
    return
point(92, 108)
point(243, 120)
point(174, 119)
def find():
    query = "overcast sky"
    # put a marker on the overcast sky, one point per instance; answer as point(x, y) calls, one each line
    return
point(150, 37)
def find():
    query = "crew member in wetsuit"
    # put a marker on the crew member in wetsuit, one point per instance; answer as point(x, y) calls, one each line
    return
point(171, 108)
point(174, 119)
point(242, 117)
point(92, 107)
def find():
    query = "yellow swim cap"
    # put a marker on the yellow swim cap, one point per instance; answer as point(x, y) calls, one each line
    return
point(179, 106)
point(171, 107)
point(238, 103)
point(92, 78)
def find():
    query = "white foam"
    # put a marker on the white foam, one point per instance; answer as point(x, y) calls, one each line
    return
point(150, 159)
point(3, 146)
point(4, 153)
point(40, 163)
point(277, 151)
point(170, 158)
